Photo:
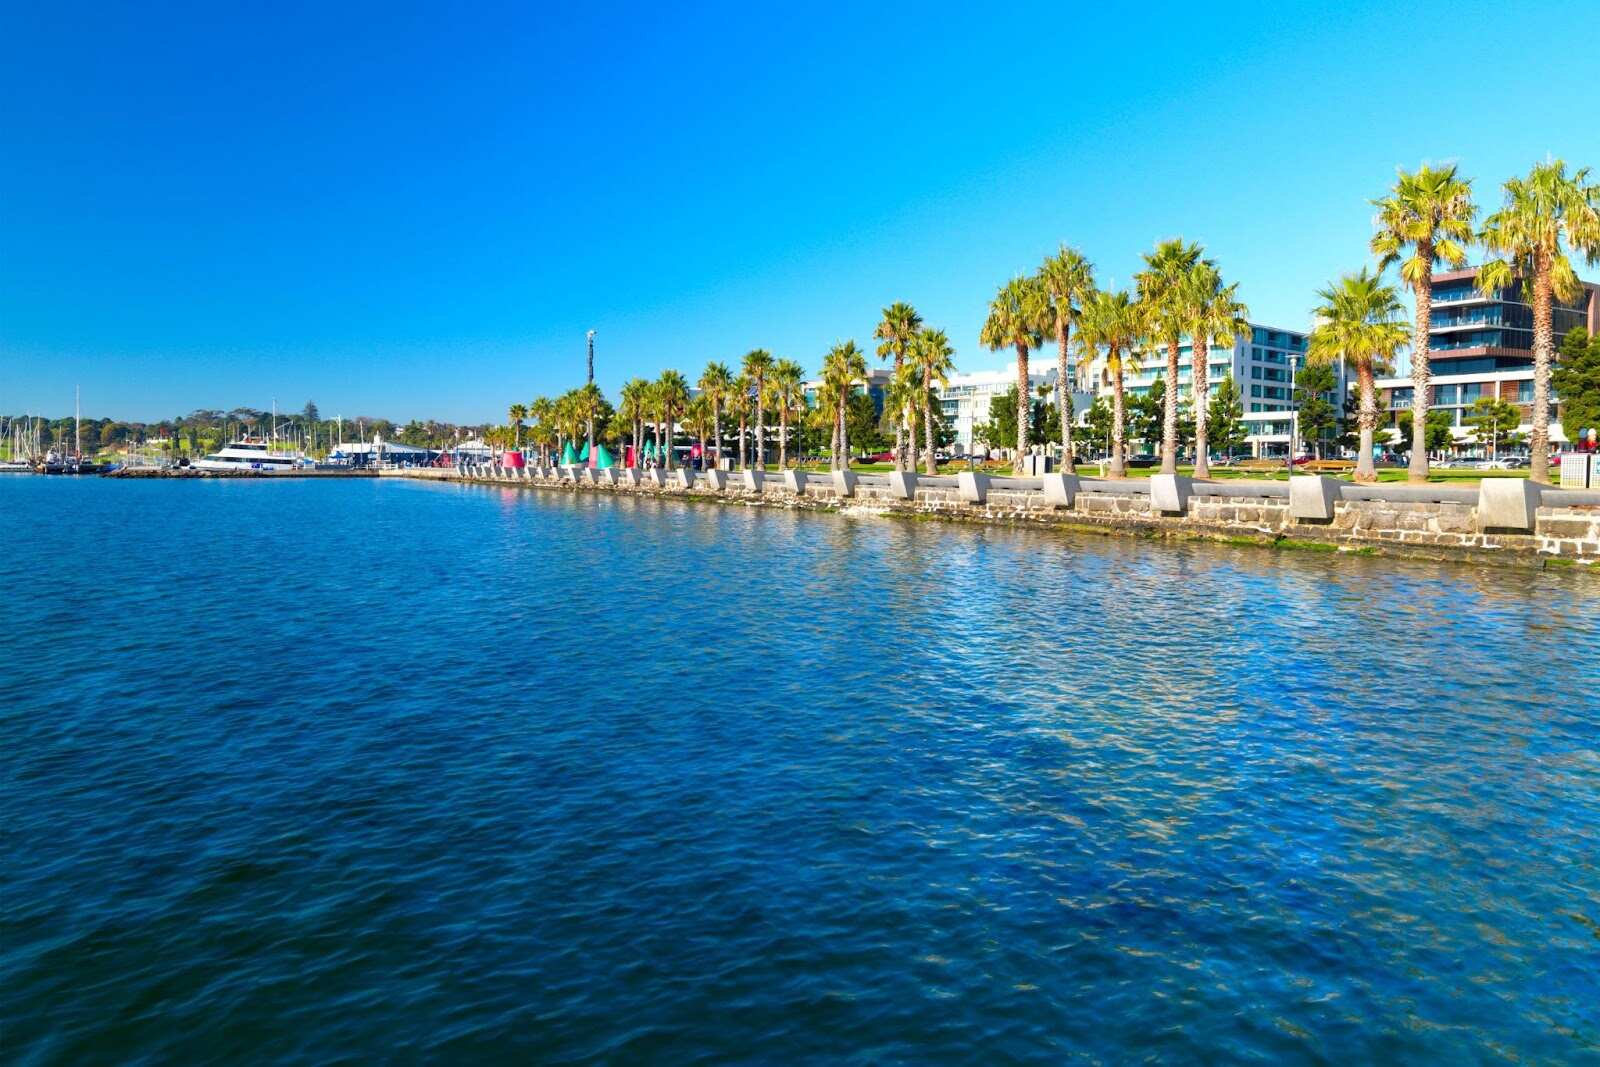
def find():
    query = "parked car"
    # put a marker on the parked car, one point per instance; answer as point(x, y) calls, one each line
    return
point(879, 457)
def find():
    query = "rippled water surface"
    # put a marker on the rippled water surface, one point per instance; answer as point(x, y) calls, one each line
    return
point(323, 771)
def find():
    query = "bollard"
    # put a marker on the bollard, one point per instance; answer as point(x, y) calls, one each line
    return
point(717, 479)
point(1060, 490)
point(1508, 504)
point(753, 479)
point(795, 482)
point(1312, 497)
point(844, 483)
point(1170, 493)
point(903, 484)
point(974, 486)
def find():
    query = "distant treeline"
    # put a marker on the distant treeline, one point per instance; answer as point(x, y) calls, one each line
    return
point(206, 430)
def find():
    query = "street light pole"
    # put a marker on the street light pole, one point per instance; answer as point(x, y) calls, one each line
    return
point(591, 357)
point(1294, 411)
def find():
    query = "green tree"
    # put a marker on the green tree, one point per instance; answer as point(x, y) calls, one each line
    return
point(757, 365)
point(1115, 322)
point(515, 414)
point(787, 385)
point(1018, 316)
point(1428, 213)
point(1318, 415)
point(1099, 421)
point(672, 396)
point(843, 367)
point(1166, 289)
point(1216, 316)
point(1225, 424)
point(896, 332)
point(1000, 431)
point(1576, 378)
point(1359, 322)
point(933, 357)
point(1437, 434)
point(1541, 213)
point(1068, 279)
point(1494, 423)
point(716, 382)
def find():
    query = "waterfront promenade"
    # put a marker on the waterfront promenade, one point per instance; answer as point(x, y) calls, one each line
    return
point(1507, 518)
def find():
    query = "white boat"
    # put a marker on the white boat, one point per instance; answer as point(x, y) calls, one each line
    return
point(251, 454)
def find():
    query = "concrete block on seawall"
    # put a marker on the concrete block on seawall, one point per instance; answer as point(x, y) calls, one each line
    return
point(753, 479)
point(974, 486)
point(903, 484)
point(1060, 490)
point(656, 476)
point(685, 478)
point(608, 475)
point(1508, 504)
point(844, 483)
point(795, 482)
point(1170, 493)
point(1312, 497)
point(632, 476)
point(717, 479)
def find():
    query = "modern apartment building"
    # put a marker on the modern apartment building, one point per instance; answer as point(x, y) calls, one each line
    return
point(1482, 345)
point(965, 401)
point(1262, 363)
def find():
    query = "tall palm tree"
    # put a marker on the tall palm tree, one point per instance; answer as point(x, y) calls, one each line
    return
point(787, 384)
point(1215, 316)
point(1115, 322)
point(697, 416)
point(1018, 317)
point(1541, 211)
point(716, 382)
point(739, 400)
point(634, 409)
point(588, 398)
point(515, 415)
point(755, 368)
point(896, 332)
point(900, 399)
point(1069, 279)
point(1430, 214)
point(672, 395)
point(1359, 322)
point(541, 411)
point(932, 356)
point(1164, 289)
point(841, 369)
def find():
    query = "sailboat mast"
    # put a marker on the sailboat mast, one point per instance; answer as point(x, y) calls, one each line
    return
point(77, 420)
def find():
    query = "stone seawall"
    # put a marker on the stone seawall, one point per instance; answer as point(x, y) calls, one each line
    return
point(1508, 518)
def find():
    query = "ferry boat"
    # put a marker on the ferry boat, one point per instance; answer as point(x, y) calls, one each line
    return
point(250, 454)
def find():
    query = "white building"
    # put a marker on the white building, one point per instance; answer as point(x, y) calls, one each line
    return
point(1262, 363)
point(966, 399)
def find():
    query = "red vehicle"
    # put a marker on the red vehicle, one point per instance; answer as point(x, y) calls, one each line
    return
point(879, 457)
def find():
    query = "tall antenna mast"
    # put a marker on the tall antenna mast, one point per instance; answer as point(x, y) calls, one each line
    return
point(591, 357)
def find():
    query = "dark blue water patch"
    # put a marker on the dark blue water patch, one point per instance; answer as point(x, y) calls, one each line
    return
point(353, 771)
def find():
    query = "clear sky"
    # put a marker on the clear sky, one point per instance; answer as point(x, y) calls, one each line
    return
point(417, 211)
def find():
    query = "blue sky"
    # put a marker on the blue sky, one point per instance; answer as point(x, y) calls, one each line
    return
point(417, 211)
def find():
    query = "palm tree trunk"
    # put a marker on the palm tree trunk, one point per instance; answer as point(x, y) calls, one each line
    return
point(833, 445)
point(783, 437)
point(1200, 358)
point(1368, 422)
point(1543, 349)
point(1024, 397)
point(1064, 394)
point(590, 439)
point(932, 463)
point(844, 436)
point(1119, 464)
point(716, 426)
point(1421, 379)
point(666, 428)
point(899, 426)
point(1169, 414)
point(761, 419)
point(743, 462)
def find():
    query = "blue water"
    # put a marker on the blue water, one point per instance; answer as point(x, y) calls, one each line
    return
point(357, 771)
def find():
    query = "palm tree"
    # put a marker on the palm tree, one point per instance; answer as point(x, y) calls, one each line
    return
point(788, 389)
point(697, 415)
point(1359, 322)
point(634, 409)
point(1430, 213)
point(1164, 289)
point(1069, 279)
point(741, 397)
point(900, 398)
point(672, 396)
point(541, 411)
point(932, 357)
point(1215, 316)
point(1018, 315)
point(515, 415)
point(757, 365)
point(716, 382)
point(896, 331)
point(844, 366)
point(587, 400)
point(1540, 210)
point(1115, 322)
